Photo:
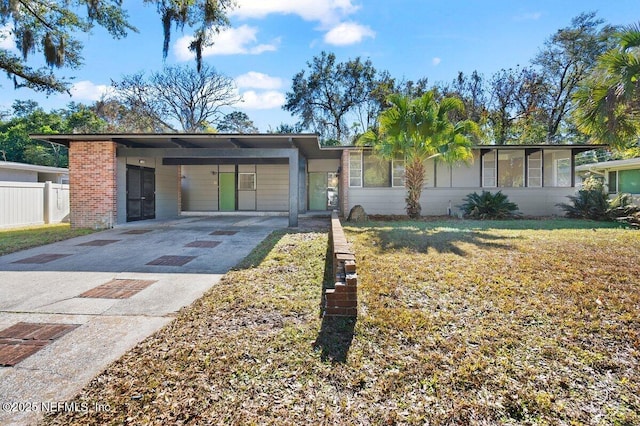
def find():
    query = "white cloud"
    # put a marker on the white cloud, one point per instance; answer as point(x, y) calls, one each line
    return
point(330, 14)
point(258, 80)
point(269, 99)
point(327, 12)
point(436, 61)
point(88, 91)
point(348, 33)
point(231, 41)
point(7, 40)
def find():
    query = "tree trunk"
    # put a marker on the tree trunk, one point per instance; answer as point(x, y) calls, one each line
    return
point(414, 180)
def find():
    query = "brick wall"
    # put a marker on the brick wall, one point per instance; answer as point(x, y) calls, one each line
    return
point(342, 300)
point(92, 182)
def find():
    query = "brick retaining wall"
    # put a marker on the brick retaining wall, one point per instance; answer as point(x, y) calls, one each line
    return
point(342, 300)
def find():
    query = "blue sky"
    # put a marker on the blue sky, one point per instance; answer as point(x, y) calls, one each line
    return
point(271, 40)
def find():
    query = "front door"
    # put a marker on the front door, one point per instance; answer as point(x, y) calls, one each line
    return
point(141, 193)
point(323, 191)
point(227, 192)
point(318, 191)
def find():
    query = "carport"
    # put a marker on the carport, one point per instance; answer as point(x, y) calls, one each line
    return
point(117, 178)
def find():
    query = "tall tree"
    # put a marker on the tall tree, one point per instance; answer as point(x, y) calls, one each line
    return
point(414, 89)
point(284, 128)
point(470, 89)
point(178, 94)
point(378, 91)
point(82, 119)
point(566, 59)
point(330, 94)
point(419, 129)
point(118, 118)
point(15, 143)
point(51, 28)
point(515, 111)
point(236, 122)
point(608, 101)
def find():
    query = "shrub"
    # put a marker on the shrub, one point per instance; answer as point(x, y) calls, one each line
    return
point(593, 182)
point(488, 206)
point(587, 204)
point(622, 209)
point(592, 202)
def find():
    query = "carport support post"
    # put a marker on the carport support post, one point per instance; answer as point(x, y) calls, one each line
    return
point(293, 188)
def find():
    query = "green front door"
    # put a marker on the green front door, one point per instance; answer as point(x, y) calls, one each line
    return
point(227, 192)
point(318, 191)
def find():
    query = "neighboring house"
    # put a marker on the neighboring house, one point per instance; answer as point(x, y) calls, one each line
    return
point(32, 194)
point(116, 178)
point(620, 176)
point(22, 172)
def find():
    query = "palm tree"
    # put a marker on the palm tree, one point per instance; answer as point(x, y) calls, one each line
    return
point(419, 129)
point(608, 102)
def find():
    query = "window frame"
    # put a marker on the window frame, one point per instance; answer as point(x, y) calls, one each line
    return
point(623, 180)
point(352, 155)
point(556, 172)
point(393, 172)
point(612, 181)
point(539, 169)
point(254, 181)
point(511, 171)
point(370, 154)
point(494, 169)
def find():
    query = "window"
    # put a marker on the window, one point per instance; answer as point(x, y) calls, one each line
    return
point(489, 169)
point(629, 181)
point(369, 170)
point(377, 172)
point(563, 172)
point(397, 170)
point(613, 182)
point(246, 181)
point(511, 168)
point(557, 168)
point(332, 190)
point(355, 169)
point(534, 178)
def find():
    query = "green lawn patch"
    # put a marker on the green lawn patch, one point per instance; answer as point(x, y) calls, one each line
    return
point(12, 240)
point(460, 322)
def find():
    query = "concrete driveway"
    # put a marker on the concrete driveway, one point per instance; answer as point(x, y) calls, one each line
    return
point(69, 309)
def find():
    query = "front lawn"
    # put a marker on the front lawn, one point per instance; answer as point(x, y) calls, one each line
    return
point(12, 240)
point(460, 323)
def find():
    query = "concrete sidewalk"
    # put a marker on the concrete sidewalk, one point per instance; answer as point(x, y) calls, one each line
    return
point(118, 287)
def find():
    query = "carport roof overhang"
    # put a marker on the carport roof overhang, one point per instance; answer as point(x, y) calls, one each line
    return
point(182, 148)
point(204, 145)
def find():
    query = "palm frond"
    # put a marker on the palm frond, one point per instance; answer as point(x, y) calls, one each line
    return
point(630, 37)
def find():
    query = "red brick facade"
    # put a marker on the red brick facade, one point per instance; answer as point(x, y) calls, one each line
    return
point(92, 182)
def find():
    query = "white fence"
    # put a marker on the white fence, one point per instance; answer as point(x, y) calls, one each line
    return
point(33, 203)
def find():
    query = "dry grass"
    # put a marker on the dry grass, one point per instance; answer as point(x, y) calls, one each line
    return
point(16, 239)
point(460, 323)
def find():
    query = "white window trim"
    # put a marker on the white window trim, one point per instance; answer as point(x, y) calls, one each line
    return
point(393, 171)
point(494, 174)
point(254, 181)
point(539, 169)
point(359, 153)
